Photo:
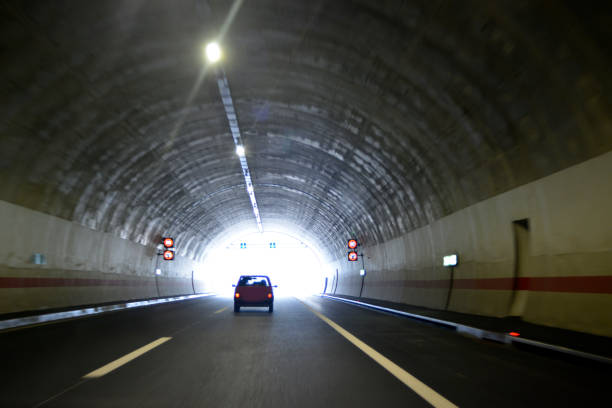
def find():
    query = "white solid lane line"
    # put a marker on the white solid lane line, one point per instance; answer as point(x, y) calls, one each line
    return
point(126, 359)
point(422, 389)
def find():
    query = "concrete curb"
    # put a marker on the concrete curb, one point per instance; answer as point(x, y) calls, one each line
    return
point(476, 332)
point(72, 314)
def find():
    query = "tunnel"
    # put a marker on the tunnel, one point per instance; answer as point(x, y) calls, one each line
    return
point(465, 147)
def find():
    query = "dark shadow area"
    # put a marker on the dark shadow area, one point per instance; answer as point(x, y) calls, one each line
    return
point(588, 343)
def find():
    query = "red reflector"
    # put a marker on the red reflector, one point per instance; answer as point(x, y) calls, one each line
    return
point(514, 334)
point(237, 295)
point(269, 296)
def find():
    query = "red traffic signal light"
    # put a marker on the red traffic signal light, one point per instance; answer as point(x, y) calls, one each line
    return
point(352, 243)
point(168, 255)
point(352, 256)
point(168, 242)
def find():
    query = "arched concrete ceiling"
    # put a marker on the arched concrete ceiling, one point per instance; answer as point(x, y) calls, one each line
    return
point(364, 118)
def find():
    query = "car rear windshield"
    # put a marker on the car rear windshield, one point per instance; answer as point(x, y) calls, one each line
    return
point(253, 281)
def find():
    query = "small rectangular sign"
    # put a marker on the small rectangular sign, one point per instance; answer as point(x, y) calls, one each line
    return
point(450, 260)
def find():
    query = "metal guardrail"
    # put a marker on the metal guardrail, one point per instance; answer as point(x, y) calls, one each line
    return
point(477, 332)
point(71, 314)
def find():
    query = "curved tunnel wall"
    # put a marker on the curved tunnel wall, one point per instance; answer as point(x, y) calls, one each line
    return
point(565, 280)
point(373, 120)
point(391, 116)
point(78, 265)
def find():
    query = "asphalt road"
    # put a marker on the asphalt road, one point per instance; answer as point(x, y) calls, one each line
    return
point(290, 358)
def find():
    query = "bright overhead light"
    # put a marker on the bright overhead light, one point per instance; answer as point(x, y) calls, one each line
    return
point(213, 52)
point(240, 150)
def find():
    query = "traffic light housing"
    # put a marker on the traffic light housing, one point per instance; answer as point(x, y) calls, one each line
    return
point(168, 255)
point(168, 252)
point(352, 245)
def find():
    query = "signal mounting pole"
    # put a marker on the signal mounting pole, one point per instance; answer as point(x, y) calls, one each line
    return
point(353, 256)
point(362, 273)
point(159, 253)
point(166, 251)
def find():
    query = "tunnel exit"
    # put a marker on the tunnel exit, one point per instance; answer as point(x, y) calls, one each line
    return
point(291, 263)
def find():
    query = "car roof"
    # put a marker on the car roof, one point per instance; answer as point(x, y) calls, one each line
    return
point(254, 276)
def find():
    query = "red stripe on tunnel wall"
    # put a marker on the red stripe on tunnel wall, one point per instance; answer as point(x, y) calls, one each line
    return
point(581, 284)
point(427, 284)
point(487, 284)
point(78, 282)
point(572, 284)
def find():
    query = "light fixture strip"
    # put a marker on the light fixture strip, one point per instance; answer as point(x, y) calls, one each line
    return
point(230, 112)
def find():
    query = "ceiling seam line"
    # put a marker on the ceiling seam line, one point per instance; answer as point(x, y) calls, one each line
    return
point(232, 119)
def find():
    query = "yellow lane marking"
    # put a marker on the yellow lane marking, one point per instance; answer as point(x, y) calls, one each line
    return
point(126, 359)
point(424, 391)
point(220, 310)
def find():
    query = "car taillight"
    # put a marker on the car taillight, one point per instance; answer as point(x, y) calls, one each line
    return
point(237, 295)
point(269, 296)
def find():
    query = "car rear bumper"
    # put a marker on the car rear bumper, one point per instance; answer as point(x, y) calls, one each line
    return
point(265, 303)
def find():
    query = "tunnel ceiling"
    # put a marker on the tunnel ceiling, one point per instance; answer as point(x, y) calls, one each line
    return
point(362, 118)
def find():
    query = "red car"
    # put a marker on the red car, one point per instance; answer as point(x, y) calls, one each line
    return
point(253, 290)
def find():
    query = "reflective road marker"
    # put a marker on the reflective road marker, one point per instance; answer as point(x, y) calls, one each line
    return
point(126, 359)
point(423, 390)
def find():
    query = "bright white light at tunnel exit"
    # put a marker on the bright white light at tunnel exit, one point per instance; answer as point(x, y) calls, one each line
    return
point(291, 264)
point(213, 52)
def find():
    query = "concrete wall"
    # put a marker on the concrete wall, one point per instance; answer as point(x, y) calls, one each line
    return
point(566, 279)
point(83, 266)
